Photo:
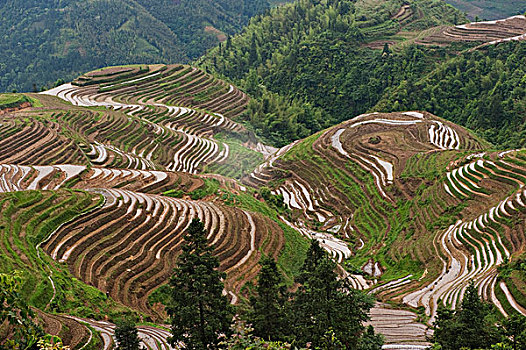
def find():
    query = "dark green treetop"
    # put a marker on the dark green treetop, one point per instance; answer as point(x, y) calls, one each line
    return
point(127, 336)
point(200, 314)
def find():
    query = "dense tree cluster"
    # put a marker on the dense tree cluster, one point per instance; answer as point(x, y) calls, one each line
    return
point(484, 90)
point(43, 41)
point(474, 326)
point(17, 319)
point(127, 336)
point(324, 312)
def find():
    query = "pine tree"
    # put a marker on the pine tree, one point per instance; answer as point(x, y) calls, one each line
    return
point(198, 310)
point(326, 302)
point(386, 51)
point(127, 336)
point(267, 315)
point(467, 328)
point(315, 255)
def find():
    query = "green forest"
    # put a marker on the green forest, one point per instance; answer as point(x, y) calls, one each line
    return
point(309, 66)
point(310, 55)
point(482, 90)
point(43, 41)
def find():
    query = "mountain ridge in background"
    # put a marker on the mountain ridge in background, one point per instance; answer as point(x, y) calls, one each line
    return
point(48, 40)
point(336, 59)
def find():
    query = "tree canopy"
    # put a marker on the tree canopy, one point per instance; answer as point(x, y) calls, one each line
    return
point(46, 40)
point(198, 310)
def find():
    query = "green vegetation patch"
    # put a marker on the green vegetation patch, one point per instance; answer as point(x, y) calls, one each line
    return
point(14, 100)
point(241, 160)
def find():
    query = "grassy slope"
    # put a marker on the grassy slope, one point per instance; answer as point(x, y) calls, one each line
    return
point(240, 161)
point(15, 100)
point(29, 217)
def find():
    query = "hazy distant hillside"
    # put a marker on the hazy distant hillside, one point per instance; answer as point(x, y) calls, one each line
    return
point(46, 40)
point(489, 9)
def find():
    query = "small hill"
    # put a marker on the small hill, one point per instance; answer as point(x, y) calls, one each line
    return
point(104, 175)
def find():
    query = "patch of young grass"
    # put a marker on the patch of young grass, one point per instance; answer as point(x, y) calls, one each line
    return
point(241, 160)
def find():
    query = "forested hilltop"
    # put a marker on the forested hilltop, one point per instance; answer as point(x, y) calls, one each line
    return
point(483, 90)
point(315, 54)
point(313, 64)
point(43, 41)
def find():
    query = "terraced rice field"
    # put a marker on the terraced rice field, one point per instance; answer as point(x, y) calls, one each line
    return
point(360, 151)
point(92, 166)
point(82, 332)
point(52, 177)
point(408, 190)
point(28, 218)
point(487, 33)
point(151, 337)
point(398, 326)
point(177, 106)
point(474, 246)
point(97, 185)
point(128, 247)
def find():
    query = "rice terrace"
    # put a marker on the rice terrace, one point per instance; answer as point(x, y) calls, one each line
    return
point(107, 180)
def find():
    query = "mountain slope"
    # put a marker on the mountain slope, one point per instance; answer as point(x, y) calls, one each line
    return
point(43, 41)
point(101, 176)
point(483, 90)
point(100, 179)
point(319, 52)
point(424, 205)
point(346, 58)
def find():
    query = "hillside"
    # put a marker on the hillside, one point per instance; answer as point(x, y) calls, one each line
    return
point(101, 176)
point(43, 41)
point(336, 60)
point(489, 10)
point(424, 205)
point(323, 54)
point(106, 171)
point(390, 133)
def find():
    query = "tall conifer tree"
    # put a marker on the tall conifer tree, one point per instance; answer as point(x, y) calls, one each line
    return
point(268, 314)
point(198, 310)
point(326, 309)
